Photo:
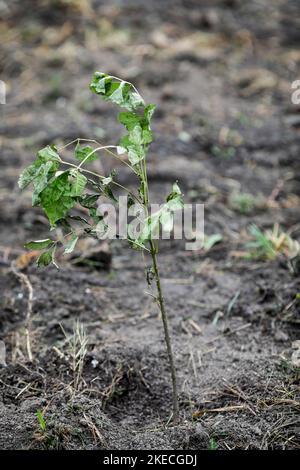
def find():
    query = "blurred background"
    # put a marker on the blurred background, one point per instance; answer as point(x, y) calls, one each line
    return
point(220, 72)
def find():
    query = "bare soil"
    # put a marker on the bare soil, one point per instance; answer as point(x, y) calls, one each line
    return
point(220, 72)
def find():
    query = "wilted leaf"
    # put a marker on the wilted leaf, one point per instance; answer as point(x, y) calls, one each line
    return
point(48, 153)
point(28, 175)
point(117, 96)
point(151, 226)
point(56, 198)
point(69, 247)
point(174, 199)
point(40, 172)
point(148, 112)
point(78, 182)
point(133, 143)
point(119, 92)
point(166, 220)
point(40, 182)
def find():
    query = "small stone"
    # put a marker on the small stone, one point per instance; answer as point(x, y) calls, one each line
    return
point(281, 336)
point(2, 354)
point(94, 363)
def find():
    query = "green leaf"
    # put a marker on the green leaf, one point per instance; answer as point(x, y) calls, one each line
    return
point(133, 143)
point(101, 228)
point(117, 91)
point(78, 182)
point(39, 173)
point(174, 199)
point(43, 175)
point(130, 201)
point(28, 175)
point(148, 112)
point(69, 247)
point(47, 257)
point(39, 244)
point(147, 137)
point(212, 240)
point(130, 120)
point(117, 96)
point(135, 243)
point(82, 152)
point(166, 220)
point(56, 198)
point(88, 200)
point(44, 259)
point(41, 420)
point(134, 155)
point(151, 226)
point(93, 213)
point(175, 204)
point(134, 100)
point(136, 135)
point(48, 153)
point(99, 83)
point(108, 192)
point(176, 188)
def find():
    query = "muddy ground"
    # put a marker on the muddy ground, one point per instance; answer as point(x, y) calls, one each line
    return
point(221, 73)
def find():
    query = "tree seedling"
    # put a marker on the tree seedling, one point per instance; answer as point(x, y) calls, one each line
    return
point(245, 203)
point(60, 187)
point(41, 420)
point(213, 445)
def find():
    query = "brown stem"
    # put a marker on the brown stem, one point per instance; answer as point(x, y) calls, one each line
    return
point(164, 317)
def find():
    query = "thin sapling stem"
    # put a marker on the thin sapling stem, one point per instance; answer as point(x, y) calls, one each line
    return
point(57, 190)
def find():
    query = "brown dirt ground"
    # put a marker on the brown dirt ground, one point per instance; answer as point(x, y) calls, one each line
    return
point(220, 72)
